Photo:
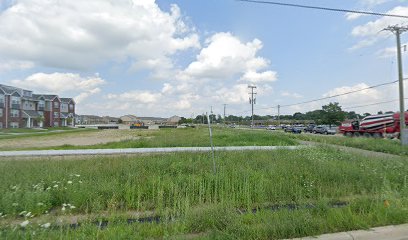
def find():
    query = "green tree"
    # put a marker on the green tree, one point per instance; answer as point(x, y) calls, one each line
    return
point(333, 113)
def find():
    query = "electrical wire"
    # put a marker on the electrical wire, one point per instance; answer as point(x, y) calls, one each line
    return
point(372, 104)
point(325, 98)
point(341, 94)
point(324, 8)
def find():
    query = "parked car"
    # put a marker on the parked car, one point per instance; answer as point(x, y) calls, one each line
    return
point(324, 130)
point(310, 128)
point(293, 130)
point(271, 127)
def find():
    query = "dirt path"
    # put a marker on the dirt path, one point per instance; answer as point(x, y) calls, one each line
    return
point(76, 139)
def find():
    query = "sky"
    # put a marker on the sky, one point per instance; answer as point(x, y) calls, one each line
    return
point(183, 57)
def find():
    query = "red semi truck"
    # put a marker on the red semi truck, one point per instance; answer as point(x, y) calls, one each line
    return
point(383, 125)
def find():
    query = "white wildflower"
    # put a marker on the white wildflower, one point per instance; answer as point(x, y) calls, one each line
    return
point(14, 204)
point(25, 223)
point(22, 213)
point(69, 182)
point(40, 204)
point(72, 206)
point(46, 225)
point(77, 175)
point(28, 214)
point(56, 185)
point(48, 188)
point(80, 181)
point(63, 208)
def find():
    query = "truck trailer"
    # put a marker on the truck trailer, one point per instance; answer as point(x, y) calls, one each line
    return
point(377, 126)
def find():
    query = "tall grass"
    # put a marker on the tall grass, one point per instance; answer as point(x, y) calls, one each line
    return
point(391, 146)
point(188, 137)
point(182, 186)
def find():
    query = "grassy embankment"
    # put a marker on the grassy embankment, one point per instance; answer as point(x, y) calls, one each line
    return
point(391, 146)
point(192, 201)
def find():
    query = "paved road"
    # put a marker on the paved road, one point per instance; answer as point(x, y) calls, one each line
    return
point(398, 232)
point(136, 151)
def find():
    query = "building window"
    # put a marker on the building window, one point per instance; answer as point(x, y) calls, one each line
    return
point(14, 124)
point(15, 100)
point(41, 105)
point(71, 106)
point(56, 104)
point(56, 115)
point(15, 113)
point(1, 112)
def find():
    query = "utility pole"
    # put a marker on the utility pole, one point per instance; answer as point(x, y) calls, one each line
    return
point(225, 106)
point(252, 101)
point(397, 31)
point(211, 115)
point(278, 115)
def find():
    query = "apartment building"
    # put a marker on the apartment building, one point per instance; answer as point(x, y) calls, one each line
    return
point(20, 108)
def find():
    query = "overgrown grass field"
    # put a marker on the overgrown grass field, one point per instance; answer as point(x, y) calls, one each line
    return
point(191, 137)
point(253, 195)
point(16, 133)
point(391, 146)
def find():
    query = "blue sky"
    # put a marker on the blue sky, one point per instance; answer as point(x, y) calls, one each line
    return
point(164, 58)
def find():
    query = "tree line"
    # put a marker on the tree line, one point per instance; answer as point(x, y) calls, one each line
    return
point(330, 114)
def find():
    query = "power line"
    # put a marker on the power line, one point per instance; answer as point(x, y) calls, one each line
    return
point(372, 104)
point(341, 94)
point(324, 8)
point(324, 98)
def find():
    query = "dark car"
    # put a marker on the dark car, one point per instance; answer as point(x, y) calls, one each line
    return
point(324, 130)
point(310, 128)
point(293, 129)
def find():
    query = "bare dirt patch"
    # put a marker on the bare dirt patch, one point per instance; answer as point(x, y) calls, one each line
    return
point(76, 139)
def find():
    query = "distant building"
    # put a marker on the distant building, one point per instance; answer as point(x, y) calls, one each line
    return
point(132, 119)
point(111, 120)
point(90, 120)
point(129, 119)
point(173, 120)
point(20, 108)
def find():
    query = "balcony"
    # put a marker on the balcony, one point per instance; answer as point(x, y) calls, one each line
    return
point(41, 108)
point(15, 106)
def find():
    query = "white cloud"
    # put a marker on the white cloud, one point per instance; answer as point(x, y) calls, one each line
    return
point(81, 34)
point(353, 16)
point(63, 84)
point(15, 65)
point(374, 28)
point(291, 95)
point(136, 97)
point(371, 32)
point(373, 3)
point(366, 97)
point(255, 77)
point(226, 57)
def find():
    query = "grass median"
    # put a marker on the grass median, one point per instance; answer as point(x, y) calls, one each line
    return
point(391, 146)
point(248, 197)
